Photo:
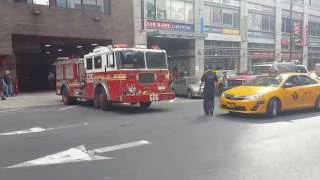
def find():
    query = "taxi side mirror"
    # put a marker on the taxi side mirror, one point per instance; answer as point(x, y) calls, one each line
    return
point(288, 85)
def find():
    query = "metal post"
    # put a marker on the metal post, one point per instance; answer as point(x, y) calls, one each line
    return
point(291, 29)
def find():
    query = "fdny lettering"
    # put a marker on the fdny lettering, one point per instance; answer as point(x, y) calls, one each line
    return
point(89, 78)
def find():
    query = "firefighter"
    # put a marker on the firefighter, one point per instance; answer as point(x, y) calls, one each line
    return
point(209, 80)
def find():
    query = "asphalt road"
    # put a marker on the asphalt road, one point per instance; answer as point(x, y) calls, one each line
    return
point(172, 141)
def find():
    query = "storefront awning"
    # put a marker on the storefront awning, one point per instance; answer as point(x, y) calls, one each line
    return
point(176, 34)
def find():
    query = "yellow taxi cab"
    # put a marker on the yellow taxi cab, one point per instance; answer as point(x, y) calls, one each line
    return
point(273, 93)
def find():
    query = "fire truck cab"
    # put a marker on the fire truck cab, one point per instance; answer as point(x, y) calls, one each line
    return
point(115, 75)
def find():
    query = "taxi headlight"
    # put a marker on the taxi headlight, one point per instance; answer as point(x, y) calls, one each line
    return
point(254, 97)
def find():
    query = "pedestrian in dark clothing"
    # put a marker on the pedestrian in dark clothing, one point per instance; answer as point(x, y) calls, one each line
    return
point(2, 87)
point(209, 79)
point(8, 84)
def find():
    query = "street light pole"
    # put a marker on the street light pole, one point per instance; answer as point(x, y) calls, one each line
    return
point(291, 29)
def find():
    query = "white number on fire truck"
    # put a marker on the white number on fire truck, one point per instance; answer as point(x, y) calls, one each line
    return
point(154, 97)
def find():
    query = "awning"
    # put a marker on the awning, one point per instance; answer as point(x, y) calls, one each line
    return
point(176, 34)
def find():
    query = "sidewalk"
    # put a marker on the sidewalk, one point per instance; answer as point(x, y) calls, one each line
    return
point(31, 100)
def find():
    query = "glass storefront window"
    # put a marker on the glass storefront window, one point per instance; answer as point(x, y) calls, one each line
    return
point(151, 9)
point(207, 16)
point(62, 3)
point(89, 5)
point(314, 29)
point(74, 4)
point(41, 2)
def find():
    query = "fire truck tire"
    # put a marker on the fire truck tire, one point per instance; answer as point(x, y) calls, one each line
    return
point(66, 99)
point(103, 101)
point(145, 105)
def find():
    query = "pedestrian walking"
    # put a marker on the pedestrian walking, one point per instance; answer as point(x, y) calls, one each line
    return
point(2, 87)
point(209, 80)
point(8, 84)
point(51, 80)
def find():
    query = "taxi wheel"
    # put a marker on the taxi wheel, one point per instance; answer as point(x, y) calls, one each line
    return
point(145, 105)
point(317, 105)
point(189, 94)
point(273, 108)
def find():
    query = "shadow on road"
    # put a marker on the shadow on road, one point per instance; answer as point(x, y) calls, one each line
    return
point(129, 109)
point(288, 116)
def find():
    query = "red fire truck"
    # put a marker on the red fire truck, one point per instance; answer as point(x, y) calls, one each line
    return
point(115, 75)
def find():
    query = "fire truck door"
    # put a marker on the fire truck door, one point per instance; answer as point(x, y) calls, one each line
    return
point(89, 73)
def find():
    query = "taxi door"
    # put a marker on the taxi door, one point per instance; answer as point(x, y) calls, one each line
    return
point(311, 90)
point(293, 94)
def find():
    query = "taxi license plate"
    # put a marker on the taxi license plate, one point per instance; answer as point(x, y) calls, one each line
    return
point(231, 105)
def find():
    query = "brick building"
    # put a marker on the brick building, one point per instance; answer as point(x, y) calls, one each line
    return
point(33, 33)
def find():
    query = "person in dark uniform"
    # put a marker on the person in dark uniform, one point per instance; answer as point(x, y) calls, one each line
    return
point(209, 80)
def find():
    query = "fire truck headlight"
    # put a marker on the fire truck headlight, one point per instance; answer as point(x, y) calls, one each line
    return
point(161, 88)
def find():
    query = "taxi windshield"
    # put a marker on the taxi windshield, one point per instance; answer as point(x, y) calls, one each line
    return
point(265, 81)
point(193, 80)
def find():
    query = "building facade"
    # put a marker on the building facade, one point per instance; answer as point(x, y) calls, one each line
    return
point(226, 34)
point(235, 34)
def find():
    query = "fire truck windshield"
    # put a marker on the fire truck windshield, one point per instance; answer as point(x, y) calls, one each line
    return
point(156, 60)
point(131, 60)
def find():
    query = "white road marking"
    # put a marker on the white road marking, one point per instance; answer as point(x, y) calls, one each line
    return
point(77, 154)
point(121, 146)
point(40, 129)
point(11, 110)
point(69, 107)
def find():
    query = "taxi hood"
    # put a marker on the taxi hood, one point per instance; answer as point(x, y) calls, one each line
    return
point(249, 90)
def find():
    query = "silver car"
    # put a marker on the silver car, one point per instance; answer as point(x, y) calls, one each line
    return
point(187, 86)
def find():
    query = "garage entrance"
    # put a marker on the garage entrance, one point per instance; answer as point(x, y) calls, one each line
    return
point(35, 55)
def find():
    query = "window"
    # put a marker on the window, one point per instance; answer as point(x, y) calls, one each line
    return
point(176, 10)
point(89, 5)
point(97, 62)
point(41, 2)
point(156, 60)
point(74, 4)
point(216, 16)
point(131, 60)
point(314, 29)
point(227, 18)
point(305, 80)
point(151, 9)
point(163, 9)
point(286, 25)
point(294, 81)
point(89, 63)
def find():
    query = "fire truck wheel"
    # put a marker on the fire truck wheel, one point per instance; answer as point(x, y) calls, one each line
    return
point(104, 103)
point(66, 99)
point(145, 105)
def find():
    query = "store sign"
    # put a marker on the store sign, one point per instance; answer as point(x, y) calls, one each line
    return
point(285, 55)
point(260, 34)
point(169, 26)
point(262, 54)
point(225, 31)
